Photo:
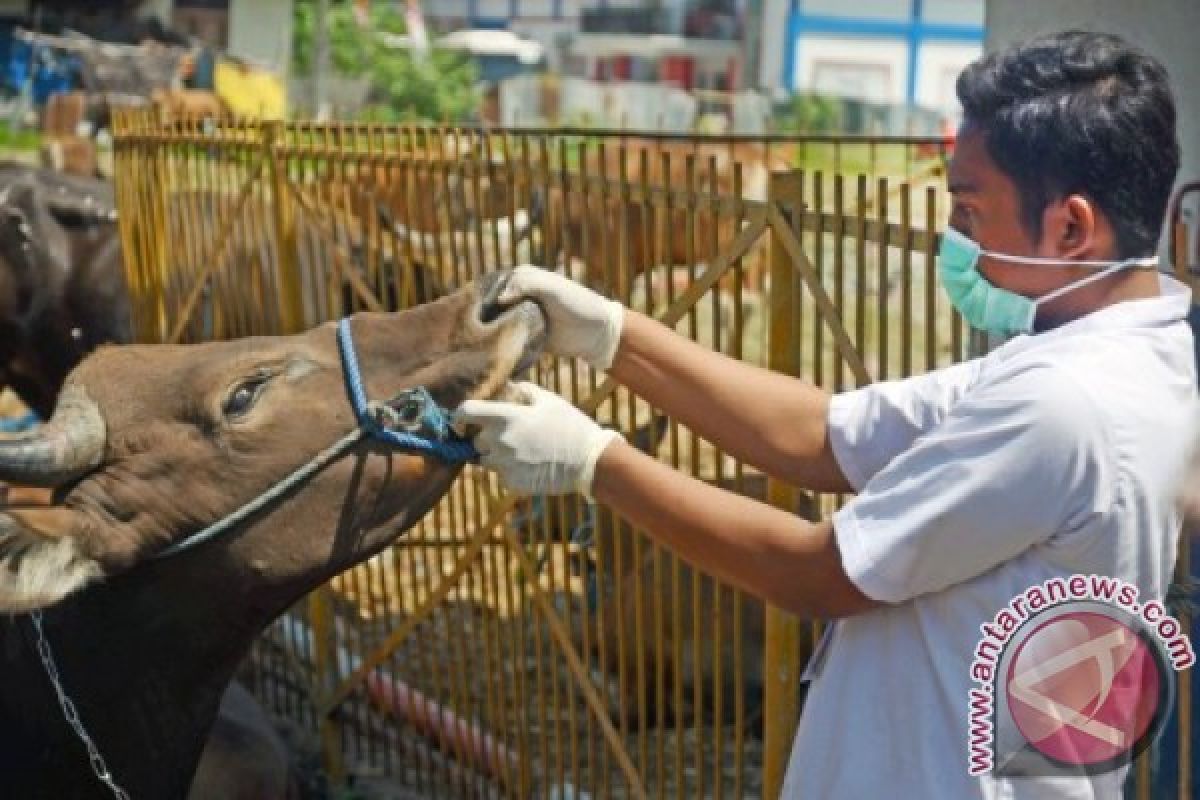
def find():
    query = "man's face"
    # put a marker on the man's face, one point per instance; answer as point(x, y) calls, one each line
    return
point(987, 208)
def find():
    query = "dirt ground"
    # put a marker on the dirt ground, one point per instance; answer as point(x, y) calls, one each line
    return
point(504, 674)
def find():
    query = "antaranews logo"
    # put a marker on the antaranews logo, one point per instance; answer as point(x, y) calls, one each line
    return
point(1073, 676)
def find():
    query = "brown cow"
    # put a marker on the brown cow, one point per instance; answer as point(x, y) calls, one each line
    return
point(649, 608)
point(614, 238)
point(188, 103)
point(150, 444)
point(664, 598)
point(425, 216)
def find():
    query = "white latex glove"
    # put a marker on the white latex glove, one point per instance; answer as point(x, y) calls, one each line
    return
point(544, 445)
point(580, 322)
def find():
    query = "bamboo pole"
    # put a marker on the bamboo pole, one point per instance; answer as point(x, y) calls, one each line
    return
point(781, 659)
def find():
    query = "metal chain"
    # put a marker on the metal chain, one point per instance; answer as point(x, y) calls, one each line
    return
point(99, 767)
point(376, 420)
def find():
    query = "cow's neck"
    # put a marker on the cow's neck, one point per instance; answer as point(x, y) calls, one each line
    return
point(145, 658)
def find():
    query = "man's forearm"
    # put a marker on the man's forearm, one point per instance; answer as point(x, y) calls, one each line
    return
point(770, 421)
point(788, 561)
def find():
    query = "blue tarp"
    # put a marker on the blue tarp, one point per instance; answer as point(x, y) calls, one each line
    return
point(52, 72)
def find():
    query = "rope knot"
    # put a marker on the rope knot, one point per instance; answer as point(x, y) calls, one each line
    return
point(411, 420)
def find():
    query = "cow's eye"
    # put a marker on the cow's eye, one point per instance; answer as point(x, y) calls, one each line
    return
point(243, 397)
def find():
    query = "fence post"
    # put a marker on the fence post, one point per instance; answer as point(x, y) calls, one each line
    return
point(325, 661)
point(285, 229)
point(325, 667)
point(1181, 264)
point(781, 658)
point(159, 268)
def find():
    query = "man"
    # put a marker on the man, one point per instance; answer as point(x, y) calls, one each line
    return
point(1053, 455)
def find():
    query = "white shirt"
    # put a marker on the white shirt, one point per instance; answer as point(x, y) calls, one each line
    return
point(1055, 454)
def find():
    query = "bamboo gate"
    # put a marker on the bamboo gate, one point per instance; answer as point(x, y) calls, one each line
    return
point(539, 648)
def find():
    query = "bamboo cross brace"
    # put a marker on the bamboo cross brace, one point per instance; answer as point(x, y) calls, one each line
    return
point(505, 503)
point(825, 306)
point(576, 665)
point(757, 223)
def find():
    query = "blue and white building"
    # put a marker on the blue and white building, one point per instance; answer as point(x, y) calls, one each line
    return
point(687, 43)
point(895, 52)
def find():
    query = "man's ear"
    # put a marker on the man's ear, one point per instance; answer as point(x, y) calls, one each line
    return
point(1073, 228)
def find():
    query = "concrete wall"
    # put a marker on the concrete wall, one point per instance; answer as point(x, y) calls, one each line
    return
point(771, 52)
point(1168, 29)
point(261, 30)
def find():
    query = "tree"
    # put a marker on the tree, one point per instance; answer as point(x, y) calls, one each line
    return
point(441, 87)
point(810, 112)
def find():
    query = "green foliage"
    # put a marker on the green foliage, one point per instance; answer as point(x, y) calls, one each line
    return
point(438, 88)
point(26, 139)
point(810, 112)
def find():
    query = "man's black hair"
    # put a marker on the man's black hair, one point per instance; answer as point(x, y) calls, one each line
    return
point(1079, 112)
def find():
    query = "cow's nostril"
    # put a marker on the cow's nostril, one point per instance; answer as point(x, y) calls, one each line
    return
point(490, 311)
point(490, 308)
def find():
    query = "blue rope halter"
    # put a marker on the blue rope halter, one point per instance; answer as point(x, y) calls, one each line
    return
point(412, 420)
point(399, 422)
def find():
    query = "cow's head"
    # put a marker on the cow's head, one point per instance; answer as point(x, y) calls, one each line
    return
point(150, 444)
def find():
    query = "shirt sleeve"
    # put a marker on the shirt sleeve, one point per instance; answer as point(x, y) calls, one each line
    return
point(869, 427)
point(1014, 463)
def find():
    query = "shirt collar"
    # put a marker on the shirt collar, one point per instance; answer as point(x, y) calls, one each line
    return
point(1170, 306)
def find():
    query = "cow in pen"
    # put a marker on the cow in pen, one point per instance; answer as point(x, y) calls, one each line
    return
point(150, 445)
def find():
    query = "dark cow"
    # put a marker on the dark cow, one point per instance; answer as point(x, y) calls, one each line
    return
point(62, 284)
point(62, 294)
point(245, 758)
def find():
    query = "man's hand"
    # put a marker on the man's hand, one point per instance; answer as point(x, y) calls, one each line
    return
point(541, 446)
point(582, 323)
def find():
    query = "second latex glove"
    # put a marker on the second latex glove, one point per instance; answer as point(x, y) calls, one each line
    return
point(582, 323)
point(542, 446)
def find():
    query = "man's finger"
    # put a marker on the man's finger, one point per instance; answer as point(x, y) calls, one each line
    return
point(484, 412)
point(529, 393)
point(524, 281)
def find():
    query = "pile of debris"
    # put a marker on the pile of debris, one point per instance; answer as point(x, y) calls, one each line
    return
point(82, 80)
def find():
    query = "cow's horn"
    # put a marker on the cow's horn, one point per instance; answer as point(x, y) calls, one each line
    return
point(69, 445)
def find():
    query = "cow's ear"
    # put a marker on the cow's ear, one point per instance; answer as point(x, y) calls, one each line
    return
point(42, 559)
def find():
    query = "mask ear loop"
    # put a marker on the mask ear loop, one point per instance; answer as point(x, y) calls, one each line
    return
point(1145, 261)
point(1131, 263)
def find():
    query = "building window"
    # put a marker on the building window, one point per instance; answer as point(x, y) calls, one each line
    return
point(852, 79)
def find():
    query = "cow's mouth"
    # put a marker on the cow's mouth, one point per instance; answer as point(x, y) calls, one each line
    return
point(535, 326)
point(527, 314)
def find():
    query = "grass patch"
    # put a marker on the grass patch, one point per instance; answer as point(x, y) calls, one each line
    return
point(19, 139)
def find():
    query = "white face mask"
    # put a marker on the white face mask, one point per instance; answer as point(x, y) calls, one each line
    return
point(995, 310)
